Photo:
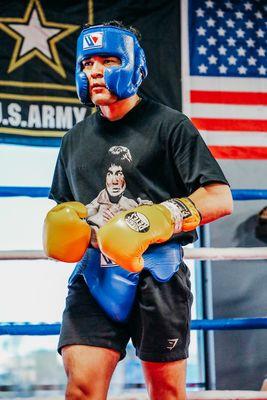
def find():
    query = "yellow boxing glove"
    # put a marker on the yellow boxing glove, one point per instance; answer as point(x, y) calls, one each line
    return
point(66, 235)
point(128, 235)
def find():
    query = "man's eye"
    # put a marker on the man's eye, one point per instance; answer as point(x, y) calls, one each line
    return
point(109, 62)
point(87, 64)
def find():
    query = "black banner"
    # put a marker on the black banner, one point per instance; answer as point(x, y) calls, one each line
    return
point(38, 101)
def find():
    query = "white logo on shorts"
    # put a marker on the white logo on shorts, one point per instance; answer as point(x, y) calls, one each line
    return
point(172, 343)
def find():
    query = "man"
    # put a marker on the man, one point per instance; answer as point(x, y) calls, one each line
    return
point(171, 167)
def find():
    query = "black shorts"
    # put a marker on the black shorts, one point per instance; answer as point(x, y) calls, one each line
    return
point(158, 324)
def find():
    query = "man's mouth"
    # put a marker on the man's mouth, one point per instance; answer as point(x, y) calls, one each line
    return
point(97, 86)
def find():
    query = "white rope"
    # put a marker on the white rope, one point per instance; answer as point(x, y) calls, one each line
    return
point(204, 395)
point(228, 253)
point(201, 253)
point(191, 395)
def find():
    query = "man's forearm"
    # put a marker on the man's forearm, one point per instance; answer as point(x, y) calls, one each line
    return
point(213, 201)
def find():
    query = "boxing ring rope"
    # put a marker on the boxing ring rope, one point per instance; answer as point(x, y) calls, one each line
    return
point(200, 253)
point(30, 191)
point(220, 324)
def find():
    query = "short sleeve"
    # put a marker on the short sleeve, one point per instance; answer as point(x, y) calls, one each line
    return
point(194, 162)
point(60, 190)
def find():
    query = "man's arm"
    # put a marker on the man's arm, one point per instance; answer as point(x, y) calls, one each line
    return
point(213, 201)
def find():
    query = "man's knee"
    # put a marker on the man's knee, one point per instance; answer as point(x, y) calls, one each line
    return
point(78, 390)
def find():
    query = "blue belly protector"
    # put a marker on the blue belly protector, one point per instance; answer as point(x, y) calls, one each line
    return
point(113, 287)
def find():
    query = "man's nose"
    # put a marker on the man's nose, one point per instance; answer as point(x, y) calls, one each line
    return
point(97, 70)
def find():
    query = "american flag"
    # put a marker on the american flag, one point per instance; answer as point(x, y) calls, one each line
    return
point(225, 74)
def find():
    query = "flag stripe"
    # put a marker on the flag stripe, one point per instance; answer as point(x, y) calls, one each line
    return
point(228, 84)
point(229, 111)
point(239, 152)
point(219, 97)
point(230, 138)
point(217, 124)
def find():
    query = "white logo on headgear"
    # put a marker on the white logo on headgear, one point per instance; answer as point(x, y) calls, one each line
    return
point(92, 40)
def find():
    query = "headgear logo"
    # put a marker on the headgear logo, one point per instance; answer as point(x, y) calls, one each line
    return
point(92, 40)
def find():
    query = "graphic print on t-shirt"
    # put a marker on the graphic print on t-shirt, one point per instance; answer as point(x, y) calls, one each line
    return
point(111, 200)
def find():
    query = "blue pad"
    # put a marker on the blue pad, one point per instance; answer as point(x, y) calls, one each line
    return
point(114, 288)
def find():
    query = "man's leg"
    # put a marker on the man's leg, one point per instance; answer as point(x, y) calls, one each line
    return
point(165, 380)
point(89, 371)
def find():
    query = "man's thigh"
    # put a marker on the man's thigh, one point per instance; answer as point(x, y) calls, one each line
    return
point(89, 370)
point(165, 380)
point(161, 317)
point(85, 323)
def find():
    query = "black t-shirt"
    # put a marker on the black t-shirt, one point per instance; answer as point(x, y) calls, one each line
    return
point(152, 154)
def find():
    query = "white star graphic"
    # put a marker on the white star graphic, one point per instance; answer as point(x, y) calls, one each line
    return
point(222, 50)
point(248, 6)
point(260, 33)
point(35, 35)
point(200, 12)
point(223, 69)
point(241, 51)
point(258, 15)
point(231, 41)
point(232, 60)
point(212, 59)
point(249, 24)
point(240, 33)
point(239, 15)
point(250, 42)
point(262, 70)
point(242, 70)
point(229, 5)
point(209, 4)
point(221, 31)
point(261, 52)
point(202, 69)
point(201, 31)
point(252, 61)
point(212, 41)
point(211, 22)
point(230, 23)
point(202, 49)
point(220, 13)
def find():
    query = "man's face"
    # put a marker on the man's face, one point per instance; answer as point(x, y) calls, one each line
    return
point(115, 182)
point(94, 68)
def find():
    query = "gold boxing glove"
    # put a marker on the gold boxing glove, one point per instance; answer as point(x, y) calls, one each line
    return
point(128, 235)
point(66, 235)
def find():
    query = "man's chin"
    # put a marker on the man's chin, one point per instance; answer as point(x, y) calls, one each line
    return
point(101, 100)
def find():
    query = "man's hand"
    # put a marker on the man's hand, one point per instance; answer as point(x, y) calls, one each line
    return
point(66, 234)
point(128, 235)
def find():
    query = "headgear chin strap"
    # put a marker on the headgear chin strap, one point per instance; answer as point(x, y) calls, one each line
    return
point(107, 40)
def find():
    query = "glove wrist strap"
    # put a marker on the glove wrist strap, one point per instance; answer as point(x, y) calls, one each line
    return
point(184, 214)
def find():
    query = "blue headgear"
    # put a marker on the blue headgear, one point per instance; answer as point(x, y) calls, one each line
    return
point(123, 80)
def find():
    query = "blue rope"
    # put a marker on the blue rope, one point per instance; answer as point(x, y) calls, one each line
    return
point(29, 141)
point(11, 191)
point(249, 194)
point(42, 329)
point(223, 324)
